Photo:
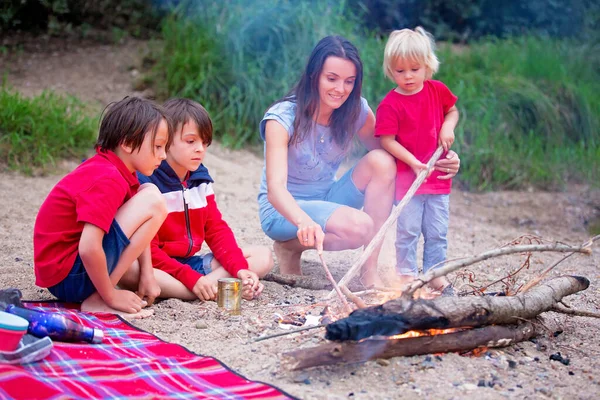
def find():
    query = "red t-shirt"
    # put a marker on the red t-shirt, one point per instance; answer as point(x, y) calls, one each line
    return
point(92, 193)
point(416, 121)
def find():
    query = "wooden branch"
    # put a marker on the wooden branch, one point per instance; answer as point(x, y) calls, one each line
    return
point(302, 281)
point(539, 278)
point(404, 314)
point(354, 298)
point(335, 286)
point(354, 352)
point(304, 328)
point(458, 264)
point(570, 311)
point(378, 238)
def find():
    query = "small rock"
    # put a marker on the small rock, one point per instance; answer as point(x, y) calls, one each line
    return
point(543, 391)
point(301, 378)
point(469, 386)
point(383, 362)
point(201, 325)
point(512, 364)
point(558, 357)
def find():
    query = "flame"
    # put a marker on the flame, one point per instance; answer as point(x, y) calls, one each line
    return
point(427, 332)
point(479, 351)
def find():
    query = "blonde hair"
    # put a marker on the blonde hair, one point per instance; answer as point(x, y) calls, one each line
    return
point(413, 45)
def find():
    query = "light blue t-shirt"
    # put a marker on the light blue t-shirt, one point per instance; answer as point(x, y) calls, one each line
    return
point(312, 163)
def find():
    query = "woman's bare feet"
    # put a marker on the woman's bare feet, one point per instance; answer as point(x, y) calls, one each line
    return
point(289, 256)
point(95, 304)
point(370, 278)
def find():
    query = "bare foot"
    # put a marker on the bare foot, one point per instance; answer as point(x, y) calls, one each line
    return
point(288, 257)
point(370, 278)
point(95, 304)
point(438, 284)
point(404, 281)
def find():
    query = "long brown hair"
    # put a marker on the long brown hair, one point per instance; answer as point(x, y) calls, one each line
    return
point(306, 92)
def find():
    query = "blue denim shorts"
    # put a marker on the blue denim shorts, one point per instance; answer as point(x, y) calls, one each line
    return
point(199, 264)
point(78, 286)
point(342, 193)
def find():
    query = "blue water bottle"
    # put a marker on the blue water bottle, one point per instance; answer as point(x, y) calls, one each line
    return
point(56, 326)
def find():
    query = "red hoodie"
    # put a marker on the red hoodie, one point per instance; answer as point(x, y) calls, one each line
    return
point(193, 218)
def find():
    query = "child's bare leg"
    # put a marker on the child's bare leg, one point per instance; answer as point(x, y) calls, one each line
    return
point(260, 259)
point(139, 218)
point(169, 286)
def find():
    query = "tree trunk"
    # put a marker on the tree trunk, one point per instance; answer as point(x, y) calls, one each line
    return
point(371, 349)
point(404, 314)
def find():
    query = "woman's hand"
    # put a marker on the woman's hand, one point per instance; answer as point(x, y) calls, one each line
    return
point(449, 165)
point(310, 234)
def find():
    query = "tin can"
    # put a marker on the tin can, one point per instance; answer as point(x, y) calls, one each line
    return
point(230, 295)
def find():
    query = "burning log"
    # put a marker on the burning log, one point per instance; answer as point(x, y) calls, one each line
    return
point(371, 349)
point(404, 314)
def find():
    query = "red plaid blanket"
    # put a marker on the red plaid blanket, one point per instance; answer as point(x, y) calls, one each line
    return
point(130, 363)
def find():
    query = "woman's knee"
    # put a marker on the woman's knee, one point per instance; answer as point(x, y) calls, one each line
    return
point(382, 163)
point(357, 229)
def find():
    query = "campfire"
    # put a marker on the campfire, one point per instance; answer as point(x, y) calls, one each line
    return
point(380, 324)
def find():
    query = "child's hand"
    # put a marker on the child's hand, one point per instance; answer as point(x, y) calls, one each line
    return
point(251, 286)
point(205, 289)
point(417, 166)
point(148, 288)
point(446, 138)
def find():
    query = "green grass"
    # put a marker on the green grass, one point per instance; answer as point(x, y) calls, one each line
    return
point(529, 112)
point(530, 109)
point(35, 132)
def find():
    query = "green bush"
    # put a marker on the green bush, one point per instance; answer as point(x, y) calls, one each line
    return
point(467, 20)
point(57, 17)
point(35, 132)
point(530, 109)
point(238, 57)
point(530, 112)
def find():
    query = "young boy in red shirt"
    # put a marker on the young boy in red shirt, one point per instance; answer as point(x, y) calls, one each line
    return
point(94, 229)
point(193, 217)
point(413, 120)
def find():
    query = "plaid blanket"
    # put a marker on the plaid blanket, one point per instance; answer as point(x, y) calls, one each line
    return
point(130, 363)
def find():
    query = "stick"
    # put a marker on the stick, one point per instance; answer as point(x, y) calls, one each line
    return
point(377, 239)
point(539, 278)
point(354, 298)
point(301, 281)
point(458, 264)
point(305, 328)
point(579, 313)
point(353, 352)
point(335, 286)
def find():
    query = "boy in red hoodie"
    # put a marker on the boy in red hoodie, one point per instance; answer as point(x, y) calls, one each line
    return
point(193, 217)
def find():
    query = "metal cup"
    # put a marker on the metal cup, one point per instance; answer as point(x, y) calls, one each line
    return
point(230, 295)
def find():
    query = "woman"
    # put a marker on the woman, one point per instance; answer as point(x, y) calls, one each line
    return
point(307, 135)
